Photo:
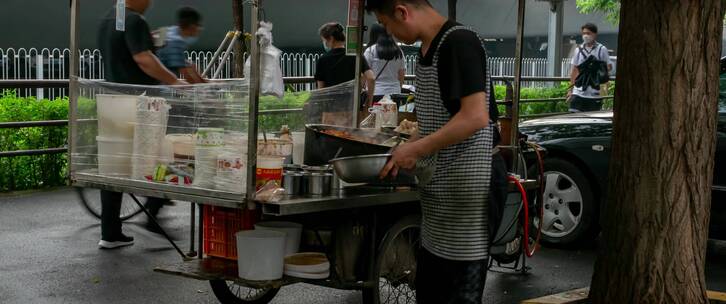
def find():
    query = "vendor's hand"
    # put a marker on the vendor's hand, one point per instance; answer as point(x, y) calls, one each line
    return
point(404, 157)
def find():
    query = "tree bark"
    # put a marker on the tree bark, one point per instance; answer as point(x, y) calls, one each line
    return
point(655, 223)
point(239, 49)
point(452, 10)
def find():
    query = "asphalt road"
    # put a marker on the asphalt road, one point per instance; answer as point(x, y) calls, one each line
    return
point(48, 254)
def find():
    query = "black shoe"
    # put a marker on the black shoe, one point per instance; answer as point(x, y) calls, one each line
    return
point(120, 241)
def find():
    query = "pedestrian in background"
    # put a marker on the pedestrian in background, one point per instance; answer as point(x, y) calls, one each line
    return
point(385, 58)
point(177, 41)
point(129, 58)
point(583, 97)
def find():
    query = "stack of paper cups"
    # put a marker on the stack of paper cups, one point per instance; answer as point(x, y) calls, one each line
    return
point(152, 114)
point(210, 142)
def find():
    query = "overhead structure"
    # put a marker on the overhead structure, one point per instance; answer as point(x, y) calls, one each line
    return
point(554, 37)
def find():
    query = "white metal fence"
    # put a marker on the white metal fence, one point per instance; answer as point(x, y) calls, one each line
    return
point(53, 64)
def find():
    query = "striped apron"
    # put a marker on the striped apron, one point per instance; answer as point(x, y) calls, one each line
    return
point(454, 201)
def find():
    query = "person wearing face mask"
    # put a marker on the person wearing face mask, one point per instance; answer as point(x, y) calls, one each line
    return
point(334, 67)
point(178, 40)
point(581, 97)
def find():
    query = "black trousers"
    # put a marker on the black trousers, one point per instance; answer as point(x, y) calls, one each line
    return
point(443, 281)
point(111, 210)
point(579, 104)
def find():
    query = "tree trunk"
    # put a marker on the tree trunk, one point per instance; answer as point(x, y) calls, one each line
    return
point(655, 223)
point(452, 10)
point(239, 49)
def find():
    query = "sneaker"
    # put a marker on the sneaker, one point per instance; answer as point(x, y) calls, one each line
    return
point(120, 241)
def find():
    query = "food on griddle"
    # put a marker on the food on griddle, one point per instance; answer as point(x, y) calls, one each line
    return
point(348, 135)
point(407, 127)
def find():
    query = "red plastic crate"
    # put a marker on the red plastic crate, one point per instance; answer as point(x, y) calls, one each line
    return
point(220, 226)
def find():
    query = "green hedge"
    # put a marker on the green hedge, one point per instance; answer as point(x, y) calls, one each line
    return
point(30, 172)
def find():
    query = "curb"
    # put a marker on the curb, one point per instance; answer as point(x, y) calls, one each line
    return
point(578, 296)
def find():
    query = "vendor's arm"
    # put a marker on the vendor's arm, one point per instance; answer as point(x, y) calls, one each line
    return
point(472, 117)
point(151, 65)
point(191, 75)
point(140, 44)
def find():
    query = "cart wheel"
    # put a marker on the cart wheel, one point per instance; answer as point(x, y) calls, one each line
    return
point(227, 292)
point(91, 200)
point(395, 266)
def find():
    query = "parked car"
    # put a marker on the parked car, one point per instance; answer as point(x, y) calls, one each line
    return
point(576, 171)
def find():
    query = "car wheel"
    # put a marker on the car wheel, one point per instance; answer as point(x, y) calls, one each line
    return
point(570, 209)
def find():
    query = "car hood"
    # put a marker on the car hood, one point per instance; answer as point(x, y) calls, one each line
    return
point(572, 118)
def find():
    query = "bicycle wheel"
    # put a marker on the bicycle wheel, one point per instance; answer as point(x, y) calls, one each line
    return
point(395, 266)
point(91, 200)
point(227, 292)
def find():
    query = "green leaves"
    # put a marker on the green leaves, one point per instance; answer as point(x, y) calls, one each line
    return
point(29, 172)
point(611, 8)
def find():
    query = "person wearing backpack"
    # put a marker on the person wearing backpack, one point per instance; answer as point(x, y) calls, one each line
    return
point(590, 68)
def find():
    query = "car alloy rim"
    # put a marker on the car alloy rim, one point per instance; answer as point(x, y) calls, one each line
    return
point(562, 205)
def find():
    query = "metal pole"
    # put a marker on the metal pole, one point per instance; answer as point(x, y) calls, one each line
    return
point(554, 38)
point(226, 55)
point(216, 54)
point(358, 61)
point(73, 89)
point(253, 107)
point(517, 85)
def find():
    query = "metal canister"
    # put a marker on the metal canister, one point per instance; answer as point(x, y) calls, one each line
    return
point(319, 183)
point(292, 182)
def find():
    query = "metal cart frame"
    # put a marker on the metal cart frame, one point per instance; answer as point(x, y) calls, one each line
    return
point(383, 213)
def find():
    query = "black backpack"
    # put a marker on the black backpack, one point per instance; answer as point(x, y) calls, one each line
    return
point(593, 71)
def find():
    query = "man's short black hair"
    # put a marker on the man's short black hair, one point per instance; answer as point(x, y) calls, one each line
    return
point(386, 6)
point(589, 26)
point(188, 16)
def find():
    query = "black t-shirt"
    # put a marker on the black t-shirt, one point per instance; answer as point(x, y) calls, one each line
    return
point(119, 47)
point(461, 66)
point(335, 67)
point(462, 69)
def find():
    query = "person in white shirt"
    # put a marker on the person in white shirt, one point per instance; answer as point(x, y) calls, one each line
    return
point(385, 58)
point(586, 98)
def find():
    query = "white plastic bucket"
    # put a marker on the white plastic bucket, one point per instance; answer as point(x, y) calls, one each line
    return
point(292, 231)
point(114, 156)
point(116, 115)
point(260, 254)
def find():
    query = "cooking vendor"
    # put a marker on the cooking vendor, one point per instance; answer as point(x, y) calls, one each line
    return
point(452, 152)
point(128, 58)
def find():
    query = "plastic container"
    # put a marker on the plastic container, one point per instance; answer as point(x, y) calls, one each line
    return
point(220, 226)
point(269, 168)
point(293, 232)
point(182, 145)
point(260, 254)
point(114, 156)
point(388, 115)
point(116, 115)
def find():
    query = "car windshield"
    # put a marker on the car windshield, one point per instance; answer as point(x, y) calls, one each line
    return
point(722, 93)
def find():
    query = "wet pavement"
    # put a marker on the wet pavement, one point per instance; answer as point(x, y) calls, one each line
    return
point(48, 254)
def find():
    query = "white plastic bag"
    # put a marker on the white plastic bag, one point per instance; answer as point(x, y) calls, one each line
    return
point(271, 73)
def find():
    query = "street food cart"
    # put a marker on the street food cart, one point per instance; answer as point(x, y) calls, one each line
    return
point(119, 135)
